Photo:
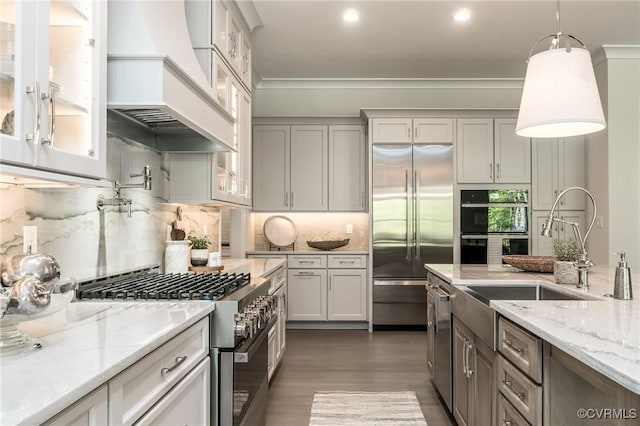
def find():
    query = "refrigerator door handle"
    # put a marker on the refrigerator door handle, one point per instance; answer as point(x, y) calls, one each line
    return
point(406, 213)
point(416, 214)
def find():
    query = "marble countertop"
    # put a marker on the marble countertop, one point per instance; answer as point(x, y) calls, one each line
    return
point(603, 333)
point(257, 267)
point(84, 346)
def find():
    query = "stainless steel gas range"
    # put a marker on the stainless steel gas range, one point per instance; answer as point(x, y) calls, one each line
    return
point(239, 327)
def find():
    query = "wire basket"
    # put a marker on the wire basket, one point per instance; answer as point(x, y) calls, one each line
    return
point(530, 263)
point(328, 245)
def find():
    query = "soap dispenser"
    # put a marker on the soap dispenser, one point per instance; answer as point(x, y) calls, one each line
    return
point(622, 281)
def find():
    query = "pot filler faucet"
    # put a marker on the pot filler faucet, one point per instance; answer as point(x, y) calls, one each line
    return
point(584, 263)
point(117, 199)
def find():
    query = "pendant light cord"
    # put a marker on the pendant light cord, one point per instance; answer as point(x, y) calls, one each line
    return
point(558, 16)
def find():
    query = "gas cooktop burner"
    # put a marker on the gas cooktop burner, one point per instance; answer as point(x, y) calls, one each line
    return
point(156, 286)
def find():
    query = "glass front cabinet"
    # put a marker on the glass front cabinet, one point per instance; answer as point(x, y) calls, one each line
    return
point(53, 85)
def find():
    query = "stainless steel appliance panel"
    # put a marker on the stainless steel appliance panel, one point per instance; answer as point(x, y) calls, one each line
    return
point(392, 211)
point(433, 187)
point(412, 208)
point(442, 376)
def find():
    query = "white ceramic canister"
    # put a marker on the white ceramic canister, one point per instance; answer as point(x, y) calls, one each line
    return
point(176, 257)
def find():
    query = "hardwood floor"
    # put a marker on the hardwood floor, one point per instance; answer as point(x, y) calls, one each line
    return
point(350, 360)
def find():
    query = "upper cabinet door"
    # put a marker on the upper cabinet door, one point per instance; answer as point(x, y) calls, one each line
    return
point(18, 91)
point(571, 157)
point(309, 168)
point(512, 154)
point(392, 130)
point(475, 150)
point(271, 160)
point(433, 130)
point(59, 87)
point(347, 168)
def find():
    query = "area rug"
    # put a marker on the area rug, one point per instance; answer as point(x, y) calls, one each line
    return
point(366, 409)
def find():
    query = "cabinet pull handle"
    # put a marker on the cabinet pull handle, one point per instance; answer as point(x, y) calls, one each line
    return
point(491, 170)
point(497, 170)
point(469, 370)
point(416, 132)
point(179, 360)
point(409, 132)
point(348, 262)
point(306, 273)
point(306, 261)
point(330, 281)
point(286, 199)
point(509, 386)
point(510, 344)
point(35, 89)
point(362, 200)
point(291, 198)
point(48, 140)
point(464, 357)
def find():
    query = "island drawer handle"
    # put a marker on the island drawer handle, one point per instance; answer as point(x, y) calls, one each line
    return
point(515, 348)
point(179, 360)
point(509, 385)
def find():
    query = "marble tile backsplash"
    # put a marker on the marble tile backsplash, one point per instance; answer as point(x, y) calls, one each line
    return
point(319, 226)
point(88, 242)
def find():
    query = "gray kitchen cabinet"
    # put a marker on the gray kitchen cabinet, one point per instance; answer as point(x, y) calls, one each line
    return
point(489, 151)
point(271, 174)
point(186, 403)
point(347, 152)
point(307, 295)
point(327, 287)
point(347, 295)
point(92, 410)
point(290, 168)
point(557, 164)
point(416, 130)
point(308, 168)
point(473, 378)
point(147, 384)
point(53, 89)
point(543, 246)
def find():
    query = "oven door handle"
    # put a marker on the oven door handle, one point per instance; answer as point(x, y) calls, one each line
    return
point(245, 352)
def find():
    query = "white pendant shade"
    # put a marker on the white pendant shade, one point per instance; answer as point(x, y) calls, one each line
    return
point(560, 97)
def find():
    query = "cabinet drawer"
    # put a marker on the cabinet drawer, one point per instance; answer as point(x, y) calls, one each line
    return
point(188, 403)
point(136, 389)
point(520, 347)
point(307, 261)
point(278, 278)
point(347, 261)
point(508, 415)
point(518, 389)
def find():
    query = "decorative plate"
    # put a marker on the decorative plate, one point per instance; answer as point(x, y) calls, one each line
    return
point(280, 231)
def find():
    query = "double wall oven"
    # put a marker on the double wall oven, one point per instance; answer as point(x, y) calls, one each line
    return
point(493, 222)
point(239, 327)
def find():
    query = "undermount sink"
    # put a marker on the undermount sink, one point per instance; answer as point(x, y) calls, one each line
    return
point(504, 292)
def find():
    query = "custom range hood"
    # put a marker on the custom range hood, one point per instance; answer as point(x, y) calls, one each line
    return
point(156, 91)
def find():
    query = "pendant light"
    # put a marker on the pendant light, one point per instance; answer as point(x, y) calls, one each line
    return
point(560, 96)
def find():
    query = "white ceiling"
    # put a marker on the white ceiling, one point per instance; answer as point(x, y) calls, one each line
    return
point(419, 38)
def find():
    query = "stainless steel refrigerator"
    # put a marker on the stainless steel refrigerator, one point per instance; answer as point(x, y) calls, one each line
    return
point(412, 225)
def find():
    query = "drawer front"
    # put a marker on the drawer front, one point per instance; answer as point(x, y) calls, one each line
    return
point(520, 347)
point(520, 391)
point(307, 261)
point(136, 389)
point(508, 415)
point(346, 261)
point(278, 278)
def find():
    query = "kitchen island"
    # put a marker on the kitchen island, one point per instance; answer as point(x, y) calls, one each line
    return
point(84, 346)
point(602, 333)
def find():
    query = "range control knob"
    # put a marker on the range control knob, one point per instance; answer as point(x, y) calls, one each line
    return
point(241, 329)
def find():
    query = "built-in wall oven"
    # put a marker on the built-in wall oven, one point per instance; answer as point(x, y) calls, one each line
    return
point(493, 222)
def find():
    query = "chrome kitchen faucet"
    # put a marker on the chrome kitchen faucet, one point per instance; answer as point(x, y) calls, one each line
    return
point(584, 263)
point(117, 199)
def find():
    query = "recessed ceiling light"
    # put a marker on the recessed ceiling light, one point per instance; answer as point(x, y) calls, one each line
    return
point(350, 15)
point(462, 15)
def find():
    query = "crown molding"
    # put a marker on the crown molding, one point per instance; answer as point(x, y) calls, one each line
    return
point(388, 83)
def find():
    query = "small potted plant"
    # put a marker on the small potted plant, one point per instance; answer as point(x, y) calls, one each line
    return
point(199, 249)
point(566, 253)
